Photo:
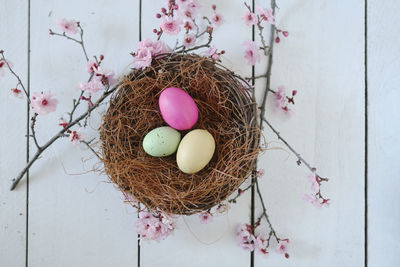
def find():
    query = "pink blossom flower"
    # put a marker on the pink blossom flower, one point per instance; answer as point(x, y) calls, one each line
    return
point(92, 87)
point(212, 52)
point(260, 173)
point(280, 97)
point(43, 103)
point(245, 237)
point(261, 244)
point(3, 66)
point(251, 53)
point(67, 26)
point(153, 228)
point(63, 123)
point(282, 246)
point(17, 93)
point(147, 49)
point(189, 25)
point(189, 40)
point(217, 19)
point(266, 14)
point(77, 136)
point(104, 75)
point(170, 25)
point(205, 217)
point(250, 18)
point(314, 183)
point(313, 199)
point(91, 66)
point(155, 47)
point(182, 3)
point(188, 9)
point(142, 58)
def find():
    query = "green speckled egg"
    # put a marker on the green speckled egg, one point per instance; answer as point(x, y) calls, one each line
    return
point(161, 142)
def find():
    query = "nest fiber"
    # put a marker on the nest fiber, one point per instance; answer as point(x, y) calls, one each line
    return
point(226, 110)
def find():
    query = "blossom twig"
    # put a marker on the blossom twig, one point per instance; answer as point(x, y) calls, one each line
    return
point(300, 159)
point(80, 42)
point(3, 58)
point(264, 213)
point(16, 180)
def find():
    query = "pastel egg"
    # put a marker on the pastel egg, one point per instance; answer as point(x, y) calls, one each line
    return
point(195, 151)
point(161, 142)
point(178, 108)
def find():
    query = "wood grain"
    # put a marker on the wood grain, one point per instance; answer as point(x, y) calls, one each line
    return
point(13, 33)
point(383, 131)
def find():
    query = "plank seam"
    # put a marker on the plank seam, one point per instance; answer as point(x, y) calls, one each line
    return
point(140, 38)
point(27, 134)
point(366, 133)
point(253, 71)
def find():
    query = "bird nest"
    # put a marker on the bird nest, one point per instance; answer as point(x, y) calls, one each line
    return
point(226, 109)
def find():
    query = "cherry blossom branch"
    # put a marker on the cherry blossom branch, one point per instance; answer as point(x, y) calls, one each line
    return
point(80, 42)
point(240, 192)
point(269, 68)
point(3, 59)
point(61, 133)
point(300, 159)
point(264, 213)
point(208, 30)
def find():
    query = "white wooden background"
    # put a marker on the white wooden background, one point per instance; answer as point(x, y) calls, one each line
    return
point(60, 218)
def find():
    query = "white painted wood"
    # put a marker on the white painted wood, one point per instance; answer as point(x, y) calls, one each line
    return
point(74, 219)
point(186, 247)
point(323, 60)
point(77, 220)
point(383, 132)
point(13, 32)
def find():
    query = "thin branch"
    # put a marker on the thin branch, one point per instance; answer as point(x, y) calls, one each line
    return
point(269, 67)
point(3, 58)
point(299, 157)
point(80, 42)
point(240, 192)
point(61, 133)
point(33, 135)
point(91, 149)
point(264, 213)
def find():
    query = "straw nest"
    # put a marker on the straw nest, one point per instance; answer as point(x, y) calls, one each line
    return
point(226, 110)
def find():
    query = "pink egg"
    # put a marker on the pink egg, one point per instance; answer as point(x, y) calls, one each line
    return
point(178, 108)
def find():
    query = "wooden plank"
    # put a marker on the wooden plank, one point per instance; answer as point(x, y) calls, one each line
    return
point(13, 32)
point(77, 219)
point(383, 132)
point(323, 59)
point(215, 244)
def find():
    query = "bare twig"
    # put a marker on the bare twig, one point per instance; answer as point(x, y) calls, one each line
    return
point(264, 212)
point(33, 135)
point(299, 157)
point(87, 143)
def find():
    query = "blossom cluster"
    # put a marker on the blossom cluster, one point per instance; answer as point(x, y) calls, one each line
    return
point(147, 49)
point(282, 100)
point(252, 49)
point(316, 197)
point(260, 243)
point(154, 228)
